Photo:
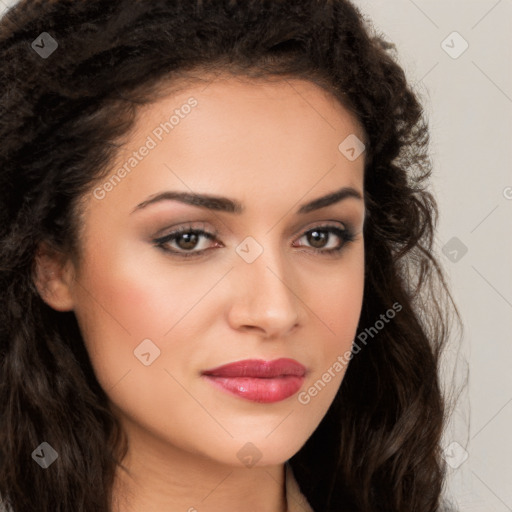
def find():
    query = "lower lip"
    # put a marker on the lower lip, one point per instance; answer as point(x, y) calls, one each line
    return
point(258, 389)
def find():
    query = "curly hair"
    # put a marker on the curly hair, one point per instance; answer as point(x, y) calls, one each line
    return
point(63, 121)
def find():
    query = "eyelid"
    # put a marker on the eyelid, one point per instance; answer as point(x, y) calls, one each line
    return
point(202, 226)
point(345, 232)
point(184, 227)
point(319, 223)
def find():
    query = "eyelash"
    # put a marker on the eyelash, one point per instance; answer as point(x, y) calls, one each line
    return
point(346, 236)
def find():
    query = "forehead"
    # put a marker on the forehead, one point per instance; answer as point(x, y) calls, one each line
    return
point(232, 98)
point(240, 118)
point(241, 138)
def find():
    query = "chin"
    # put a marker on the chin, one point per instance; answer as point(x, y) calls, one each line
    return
point(255, 451)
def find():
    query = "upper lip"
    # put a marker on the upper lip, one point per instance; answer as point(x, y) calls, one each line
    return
point(258, 368)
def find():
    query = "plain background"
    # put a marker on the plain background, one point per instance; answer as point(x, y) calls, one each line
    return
point(467, 96)
point(468, 100)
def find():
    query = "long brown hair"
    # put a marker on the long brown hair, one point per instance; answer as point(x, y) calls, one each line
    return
point(62, 117)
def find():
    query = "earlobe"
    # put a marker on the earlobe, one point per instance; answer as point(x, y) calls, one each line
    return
point(53, 277)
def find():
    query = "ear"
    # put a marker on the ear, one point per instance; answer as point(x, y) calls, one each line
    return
point(53, 277)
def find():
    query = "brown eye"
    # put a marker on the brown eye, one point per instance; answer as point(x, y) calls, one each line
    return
point(185, 239)
point(183, 242)
point(319, 237)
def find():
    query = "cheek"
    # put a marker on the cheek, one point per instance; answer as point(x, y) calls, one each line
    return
point(131, 295)
point(339, 308)
point(128, 296)
point(340, 312)
point(337, 302)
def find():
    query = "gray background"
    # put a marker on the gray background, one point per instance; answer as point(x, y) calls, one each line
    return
point(468, 99)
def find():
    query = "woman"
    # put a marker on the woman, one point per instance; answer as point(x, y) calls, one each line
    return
point(218, 291)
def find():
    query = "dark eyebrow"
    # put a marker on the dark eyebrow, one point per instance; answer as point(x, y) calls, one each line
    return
point(224, 204)
point(334, 197)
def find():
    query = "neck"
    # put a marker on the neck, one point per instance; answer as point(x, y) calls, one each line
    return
point(167, 479)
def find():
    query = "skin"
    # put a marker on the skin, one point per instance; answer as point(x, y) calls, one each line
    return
point(273, 147)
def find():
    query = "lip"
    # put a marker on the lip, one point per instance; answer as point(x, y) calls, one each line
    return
point(258, 380)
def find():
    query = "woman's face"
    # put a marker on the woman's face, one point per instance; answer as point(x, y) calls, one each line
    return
point(259, 284)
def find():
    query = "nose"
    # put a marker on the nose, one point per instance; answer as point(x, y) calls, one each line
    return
point(264, 299)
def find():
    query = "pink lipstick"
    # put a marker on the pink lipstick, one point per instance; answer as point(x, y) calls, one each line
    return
point(258, 380)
